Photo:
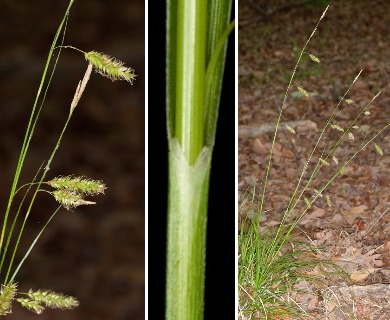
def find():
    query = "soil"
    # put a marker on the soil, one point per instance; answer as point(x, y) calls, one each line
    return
point(354, 230)
point(95, 253)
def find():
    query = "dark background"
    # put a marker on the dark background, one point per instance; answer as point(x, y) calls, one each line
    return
point(95, 253)
point(220, 264)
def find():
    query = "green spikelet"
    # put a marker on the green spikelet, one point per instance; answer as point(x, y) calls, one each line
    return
point(110, 67)
point(38, 300)
point(7, 295)
point(70, 199)
point(78, 184)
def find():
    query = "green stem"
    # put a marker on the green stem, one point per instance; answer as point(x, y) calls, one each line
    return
point(197, 32)
point(190, 76)
point(38, 188)
point(188, 196)
point(32, 245)
point(32, 122)
point(79, 92)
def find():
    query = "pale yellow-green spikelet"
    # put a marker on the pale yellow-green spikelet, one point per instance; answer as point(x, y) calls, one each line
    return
point(38, 300)
point(290, 129)
point(308, 203)
point(7, 295)
point(31, 305)
point(69, 199)
point(78, 184)
point(303, 91)
point(72, 190)
point(378, 149)
point(324, 162)
point(337, 127)
point(349, 101)
point(314, 58)
point(329, 203)
point(110, 67)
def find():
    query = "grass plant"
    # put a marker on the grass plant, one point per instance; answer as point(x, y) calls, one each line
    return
point(197, 33)
point(69, 191)
point(271, 263)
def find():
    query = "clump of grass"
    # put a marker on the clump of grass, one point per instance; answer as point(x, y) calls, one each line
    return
point(275, 271)
point(271, 263)
point(69, 191)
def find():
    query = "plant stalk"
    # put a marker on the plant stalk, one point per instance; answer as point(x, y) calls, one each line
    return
point(197, 32)
point(188, 197)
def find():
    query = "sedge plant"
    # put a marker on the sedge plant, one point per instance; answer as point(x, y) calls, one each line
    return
point(271, 263)
point(197, 33)
point(69, 191)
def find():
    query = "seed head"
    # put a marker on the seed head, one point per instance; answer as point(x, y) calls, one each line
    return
point(110, 67)
point(7, 294)
point(78, 185)
point(38, 300)
point(69, 199)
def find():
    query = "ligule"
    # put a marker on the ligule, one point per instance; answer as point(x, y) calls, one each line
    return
point(110, 67)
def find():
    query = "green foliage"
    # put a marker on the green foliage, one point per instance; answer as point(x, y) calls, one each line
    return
point(271, 268)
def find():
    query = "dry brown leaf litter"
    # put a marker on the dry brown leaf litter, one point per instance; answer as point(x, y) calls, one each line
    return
point(355, 231)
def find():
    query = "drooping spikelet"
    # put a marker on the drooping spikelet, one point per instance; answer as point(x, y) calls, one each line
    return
point(78, 185)
point(72, 190)
point(38, 300)
point(70, 199)
point(110, 67)
point(80, 88)
point(7, 295)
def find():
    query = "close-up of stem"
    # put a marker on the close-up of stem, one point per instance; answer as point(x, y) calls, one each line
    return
point(197, 33)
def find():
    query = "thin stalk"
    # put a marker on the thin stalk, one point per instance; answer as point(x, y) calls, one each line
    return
point(265, 182)
point(32, 121)
point(32, 245)
point(79, 92)
point(30, 185)
point(38, 188)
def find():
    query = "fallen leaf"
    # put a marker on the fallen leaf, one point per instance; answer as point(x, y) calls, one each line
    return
point(353, 213)
point(361, 275)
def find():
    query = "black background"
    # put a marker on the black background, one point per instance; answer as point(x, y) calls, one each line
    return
point(220, 263)
point(95, 253)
